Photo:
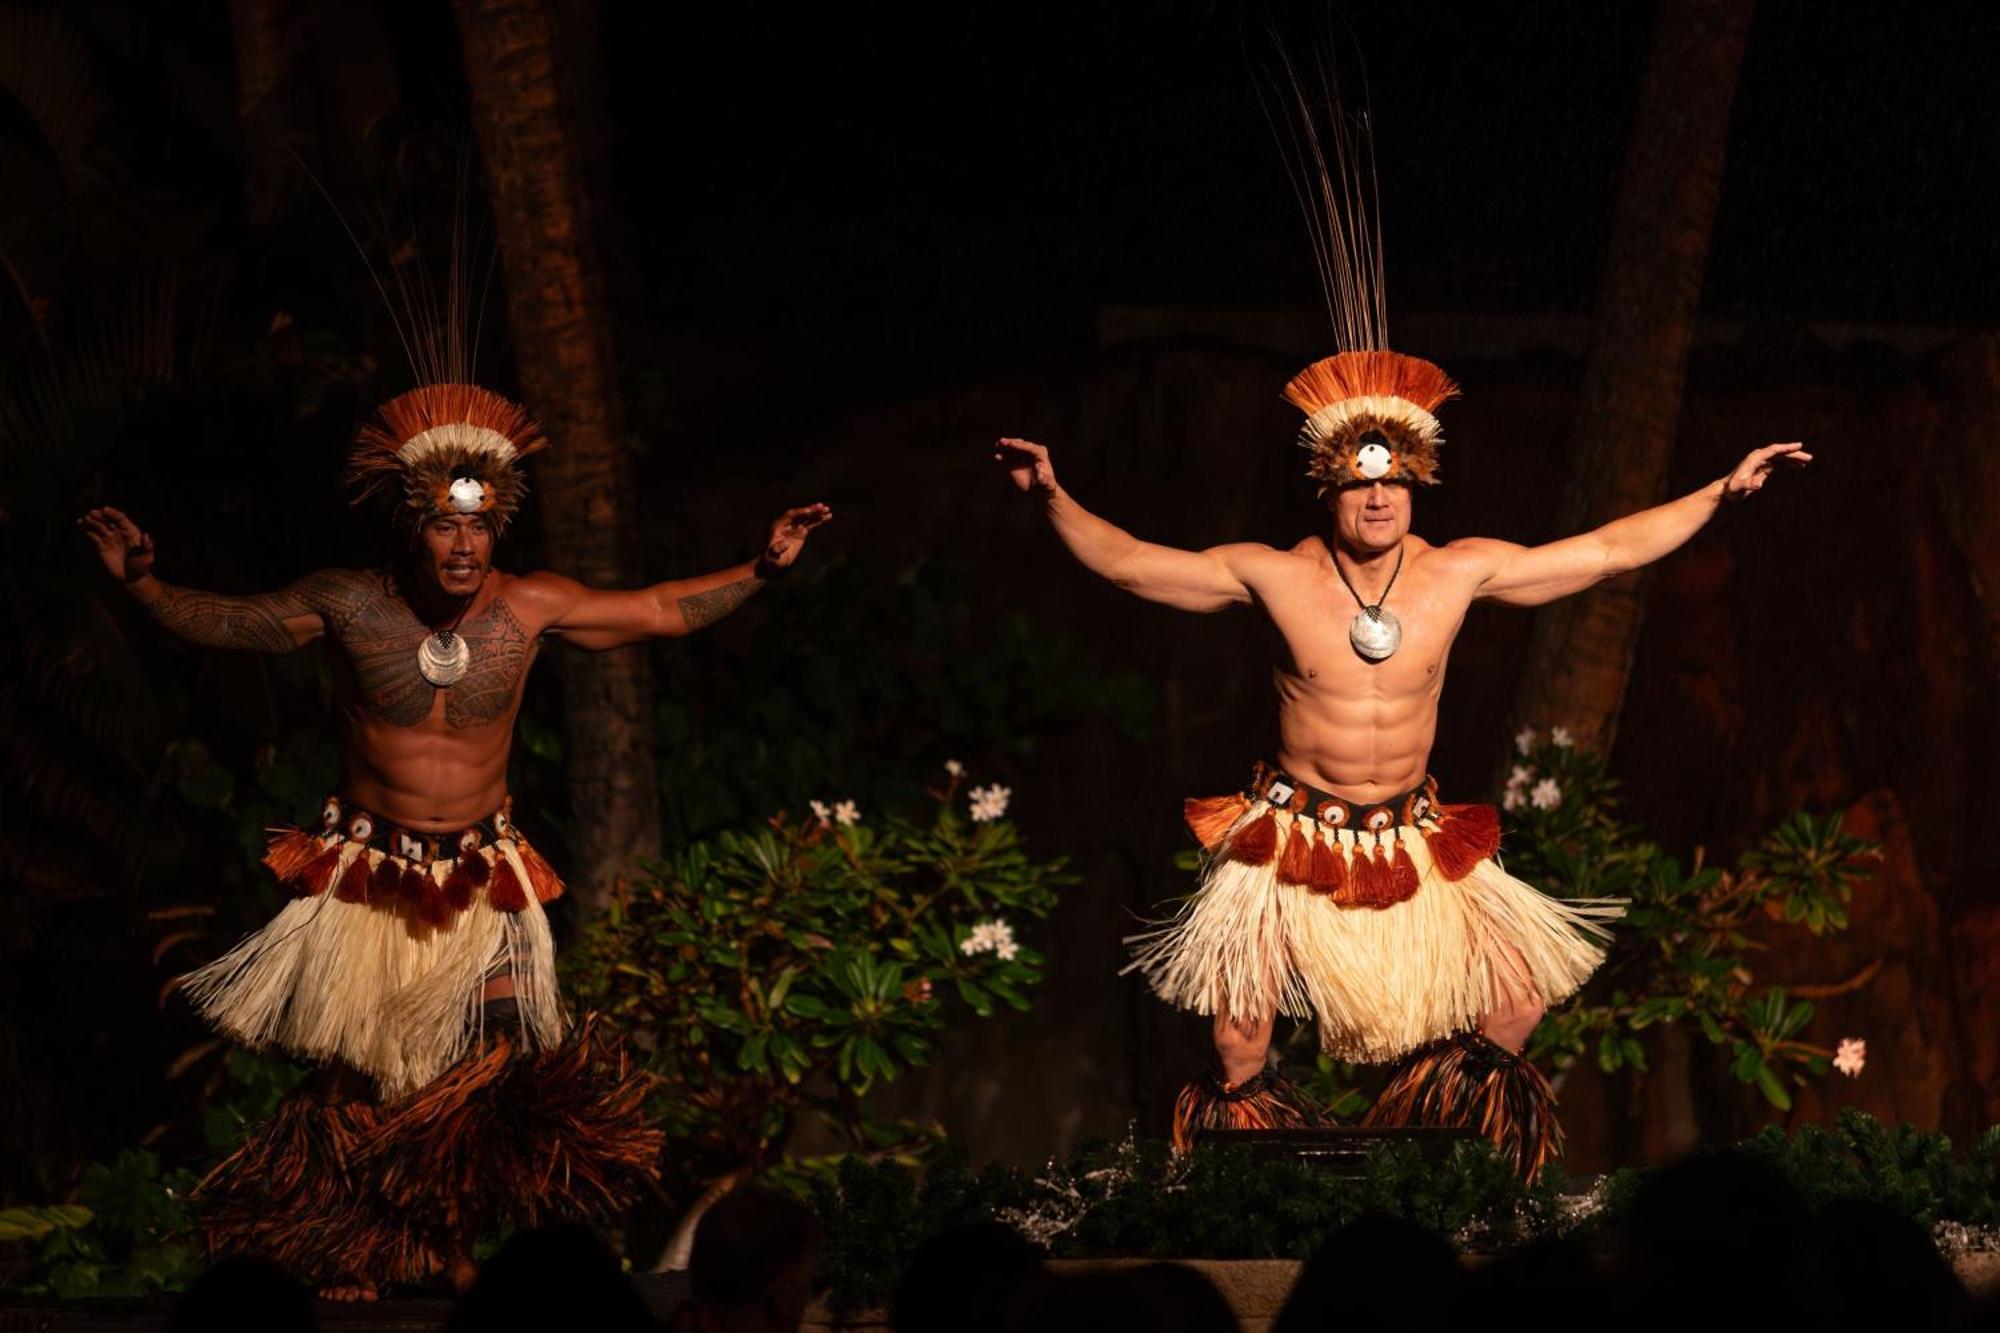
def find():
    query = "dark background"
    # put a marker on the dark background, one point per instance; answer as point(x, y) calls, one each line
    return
point(846, 249)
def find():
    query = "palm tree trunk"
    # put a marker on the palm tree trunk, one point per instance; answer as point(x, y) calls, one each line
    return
point(1580, 651)
point(562, 341)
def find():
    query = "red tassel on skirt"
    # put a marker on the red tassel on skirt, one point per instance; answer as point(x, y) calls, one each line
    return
point(456, 894)
point(356, 882)
point(317, 876)
point(1402, 875)
point(507, 893)
point(1465, 836)
point(1329, 867)
point(1295, 866)
point(542, 877)
point(290, 853)
point(1210, 817)
point(1256, 842)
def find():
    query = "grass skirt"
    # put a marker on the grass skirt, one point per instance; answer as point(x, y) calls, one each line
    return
point(339, 1192)
point(374, 980)
point(1391, 939)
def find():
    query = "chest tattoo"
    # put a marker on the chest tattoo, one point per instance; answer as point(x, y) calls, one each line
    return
point(501, 648)
point(381, 641)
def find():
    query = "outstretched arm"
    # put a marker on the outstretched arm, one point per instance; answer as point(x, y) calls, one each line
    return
point(600, 618)
point(1532, 575)
point(275, 622)
point(1191, 580)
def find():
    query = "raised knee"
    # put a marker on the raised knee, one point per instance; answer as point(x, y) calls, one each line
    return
point(1233, 1042)
point(1518, 1013)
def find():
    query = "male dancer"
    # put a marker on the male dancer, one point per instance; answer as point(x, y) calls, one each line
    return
point(1338, 886)
point(415, 955)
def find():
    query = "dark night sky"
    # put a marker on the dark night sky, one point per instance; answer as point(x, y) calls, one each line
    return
point(903, 200)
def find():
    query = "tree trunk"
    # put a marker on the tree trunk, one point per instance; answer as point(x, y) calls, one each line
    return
point(268, 38)
point(1580, 651)
point(562, 342)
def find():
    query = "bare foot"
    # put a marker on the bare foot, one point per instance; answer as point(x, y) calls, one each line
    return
point(353, 1291)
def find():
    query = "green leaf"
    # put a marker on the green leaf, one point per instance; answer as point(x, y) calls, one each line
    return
point(805, 1005)
point(1773, 1088)
point(975, 996)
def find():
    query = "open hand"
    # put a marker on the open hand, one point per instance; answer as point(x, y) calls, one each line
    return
point(1027, 463)
point(788, 534)
point(125, 551)
point(1759, 464)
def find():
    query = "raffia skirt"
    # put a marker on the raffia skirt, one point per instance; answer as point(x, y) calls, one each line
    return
point(1392, 924)
point(378, 961)
point(378, 966)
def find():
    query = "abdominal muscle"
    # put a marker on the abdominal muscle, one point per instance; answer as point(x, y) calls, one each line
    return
point(429, 778)
point(1364, 744)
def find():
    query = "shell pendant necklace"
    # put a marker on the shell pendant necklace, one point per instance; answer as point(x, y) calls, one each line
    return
point(1375, 633)
point(444, 655)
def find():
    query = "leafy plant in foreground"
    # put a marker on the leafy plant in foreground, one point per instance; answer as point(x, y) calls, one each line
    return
point(784, 973)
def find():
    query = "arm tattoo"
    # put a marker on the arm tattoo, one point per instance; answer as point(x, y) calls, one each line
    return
point(256, 623)
point(705, 608)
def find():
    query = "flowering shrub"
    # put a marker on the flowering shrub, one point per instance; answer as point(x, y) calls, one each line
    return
point(781, 973)
point(1683, 953)
point(1137, 1200)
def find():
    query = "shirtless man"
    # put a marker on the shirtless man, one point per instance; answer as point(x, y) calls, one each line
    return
point(1333, 924)
point(416, 943)
point(429, 759)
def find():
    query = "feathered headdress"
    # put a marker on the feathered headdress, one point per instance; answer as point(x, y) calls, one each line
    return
point(1369, 411)
point(453, 449)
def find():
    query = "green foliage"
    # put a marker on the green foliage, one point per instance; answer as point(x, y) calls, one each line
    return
point(1136, 1200)
point(1684, 952)
point(1909, 1170)
point(1334, 1085)
point(127, 1234)
point(786, 971)
point(256, 1083)
point(876, 1214)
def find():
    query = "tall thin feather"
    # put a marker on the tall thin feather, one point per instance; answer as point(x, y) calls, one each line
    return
point(1329, 160)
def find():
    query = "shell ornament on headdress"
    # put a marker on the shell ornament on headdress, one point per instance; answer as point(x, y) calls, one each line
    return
point(1369, 411)
point(451, 448)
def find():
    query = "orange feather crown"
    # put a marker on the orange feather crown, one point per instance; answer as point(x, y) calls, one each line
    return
point(453, 449)
point(1369, 417)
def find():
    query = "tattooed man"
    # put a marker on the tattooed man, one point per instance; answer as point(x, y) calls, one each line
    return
point(413, 961)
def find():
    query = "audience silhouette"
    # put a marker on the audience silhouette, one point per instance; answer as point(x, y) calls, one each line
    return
point(751, 1270)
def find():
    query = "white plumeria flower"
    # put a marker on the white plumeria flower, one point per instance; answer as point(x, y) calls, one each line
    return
point(821, 812)
point(990, 803)
point(1520, 777)
point(1524, 740)
point(1547, 795)
point(953, 767)
point(1851, 1057)
point(847, 812)
point(1560, 737)
point(994, 936)
point(1512, 799)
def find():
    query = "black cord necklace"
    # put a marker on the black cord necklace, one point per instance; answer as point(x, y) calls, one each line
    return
point(1375, 633)
point(444, 655)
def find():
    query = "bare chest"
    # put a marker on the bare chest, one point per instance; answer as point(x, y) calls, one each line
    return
point(1313, 618)
point(380, 644)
